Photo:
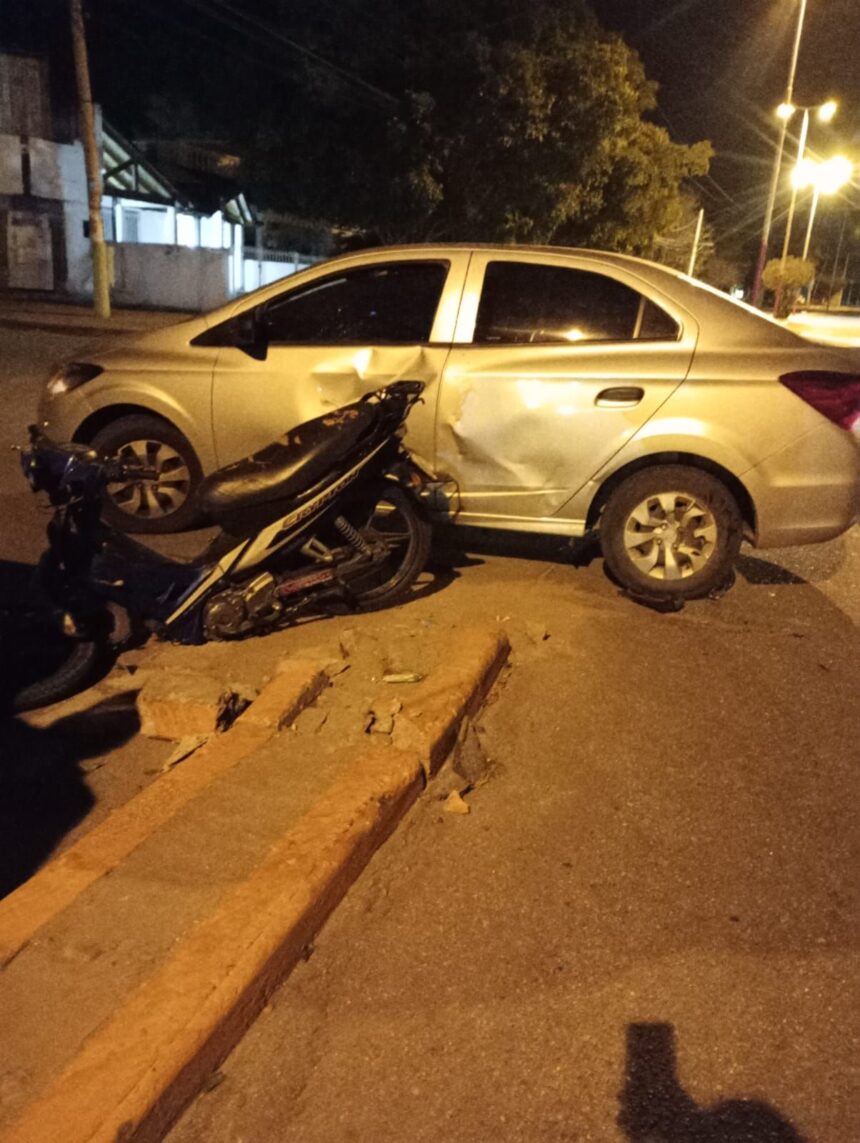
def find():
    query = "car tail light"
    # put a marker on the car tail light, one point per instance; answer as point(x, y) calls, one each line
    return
point(834, 395)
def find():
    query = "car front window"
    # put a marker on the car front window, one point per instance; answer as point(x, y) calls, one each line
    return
point(386, 304)
point(532, 303)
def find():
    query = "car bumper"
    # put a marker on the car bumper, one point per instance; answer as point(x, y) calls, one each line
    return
point(808, 492)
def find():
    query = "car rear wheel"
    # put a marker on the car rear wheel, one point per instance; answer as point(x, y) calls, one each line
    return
point(167, 504)
point(671, 531)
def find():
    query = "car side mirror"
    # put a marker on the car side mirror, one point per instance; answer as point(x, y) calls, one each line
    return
point(245, 331)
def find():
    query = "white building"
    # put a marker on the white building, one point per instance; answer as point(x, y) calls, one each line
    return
point(168, 247)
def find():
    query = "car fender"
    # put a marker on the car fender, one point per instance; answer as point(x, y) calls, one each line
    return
point(670, 441)
point(139, 392)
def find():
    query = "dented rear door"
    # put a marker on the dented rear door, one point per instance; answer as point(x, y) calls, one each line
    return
point(556, 364)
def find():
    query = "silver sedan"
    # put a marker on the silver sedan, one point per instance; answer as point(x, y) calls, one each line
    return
point(566, 391)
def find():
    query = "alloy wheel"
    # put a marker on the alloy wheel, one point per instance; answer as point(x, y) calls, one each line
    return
point(670, 535)
point(149, 499)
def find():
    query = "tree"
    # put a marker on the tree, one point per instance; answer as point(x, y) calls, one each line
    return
point(530, 128)
point(787, 281)
point(498, 120)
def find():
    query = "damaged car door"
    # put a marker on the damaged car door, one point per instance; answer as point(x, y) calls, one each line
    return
point(556, 365)
point(330, 338)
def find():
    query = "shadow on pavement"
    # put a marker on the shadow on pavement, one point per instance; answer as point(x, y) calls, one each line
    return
point(455, 546)
point(656, 1109)
point(758, 571)
point(16, 583)
point(43, 792)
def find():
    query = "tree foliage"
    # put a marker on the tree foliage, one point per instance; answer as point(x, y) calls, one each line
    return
point(493, 120)
point(518, 122)
point(787, 281)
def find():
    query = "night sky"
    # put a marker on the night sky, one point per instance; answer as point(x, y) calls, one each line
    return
point(722, 67)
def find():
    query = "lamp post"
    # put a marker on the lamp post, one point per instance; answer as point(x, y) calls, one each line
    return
point(824, 178)
point(777, 162)
point(825, 112)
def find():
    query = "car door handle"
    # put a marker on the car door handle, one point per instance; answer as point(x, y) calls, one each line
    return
point(623, 396)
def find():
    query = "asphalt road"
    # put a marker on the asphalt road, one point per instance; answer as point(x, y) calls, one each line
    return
point(645, 929)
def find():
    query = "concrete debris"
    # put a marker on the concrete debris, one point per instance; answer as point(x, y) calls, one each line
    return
point(537, 632)
point(184, 749)
point(349, 642)
point(310, 721)
point(213, 1081)
point(469, 759)
point(179, 705)
point(382, 721)
point(454, 804)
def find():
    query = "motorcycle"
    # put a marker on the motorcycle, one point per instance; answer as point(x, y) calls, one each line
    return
point(327, 517)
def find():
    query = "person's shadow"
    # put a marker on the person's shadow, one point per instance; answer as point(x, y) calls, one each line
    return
point(43, 792)
point(656, 1109)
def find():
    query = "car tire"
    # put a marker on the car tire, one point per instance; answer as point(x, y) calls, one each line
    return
point(149, 506)
point(671, 531)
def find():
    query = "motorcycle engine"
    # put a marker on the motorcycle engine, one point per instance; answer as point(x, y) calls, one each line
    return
point(239, 610)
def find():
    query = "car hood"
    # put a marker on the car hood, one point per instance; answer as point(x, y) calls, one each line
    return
point(154, 348)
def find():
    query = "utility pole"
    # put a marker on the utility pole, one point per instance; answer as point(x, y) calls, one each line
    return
point(101, 286)
point(774, 181)
point(698, 236)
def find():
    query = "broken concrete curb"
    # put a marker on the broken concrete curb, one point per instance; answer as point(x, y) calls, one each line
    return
point(434, 709)
point(62, 880)
point(134, 1075)
point(137, 1072)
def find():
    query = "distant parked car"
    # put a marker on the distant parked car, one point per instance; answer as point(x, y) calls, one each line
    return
point(567, 390)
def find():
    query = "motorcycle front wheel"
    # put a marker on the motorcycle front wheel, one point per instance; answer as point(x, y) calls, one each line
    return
point(42, 667)
point(389, 519)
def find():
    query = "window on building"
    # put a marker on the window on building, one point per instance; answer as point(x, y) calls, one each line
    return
point(24, 105)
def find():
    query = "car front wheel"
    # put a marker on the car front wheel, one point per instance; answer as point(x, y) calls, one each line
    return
point(167, 504)
point(671, 530)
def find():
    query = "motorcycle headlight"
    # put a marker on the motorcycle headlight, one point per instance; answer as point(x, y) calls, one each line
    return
point(69, 375)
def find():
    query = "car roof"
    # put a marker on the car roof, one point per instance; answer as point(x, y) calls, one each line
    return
point(726, 321)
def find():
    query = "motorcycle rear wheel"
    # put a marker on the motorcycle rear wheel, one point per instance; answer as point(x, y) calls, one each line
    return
point(391, 515)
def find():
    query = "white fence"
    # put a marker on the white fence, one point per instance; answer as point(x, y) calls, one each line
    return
point(185, 278)
point(265, 266)
point(170, 277)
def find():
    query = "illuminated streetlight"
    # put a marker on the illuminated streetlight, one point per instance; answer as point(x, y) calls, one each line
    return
point(785, 112)
point(824, 178)
point(827, 110)
point(824, 111)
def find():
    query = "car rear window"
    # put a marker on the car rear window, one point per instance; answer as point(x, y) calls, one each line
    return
point(531, 303)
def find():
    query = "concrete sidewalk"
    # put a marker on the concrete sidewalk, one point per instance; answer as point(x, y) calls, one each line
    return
point(135, 960)
point(63, 317)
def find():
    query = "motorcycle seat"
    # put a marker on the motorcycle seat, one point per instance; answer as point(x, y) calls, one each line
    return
point(290, 465)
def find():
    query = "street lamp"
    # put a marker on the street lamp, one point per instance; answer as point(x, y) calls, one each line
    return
point(824, 112)
point(824, 178)
point(786, 106)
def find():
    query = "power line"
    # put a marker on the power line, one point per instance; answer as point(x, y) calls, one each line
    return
point(263, 33)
